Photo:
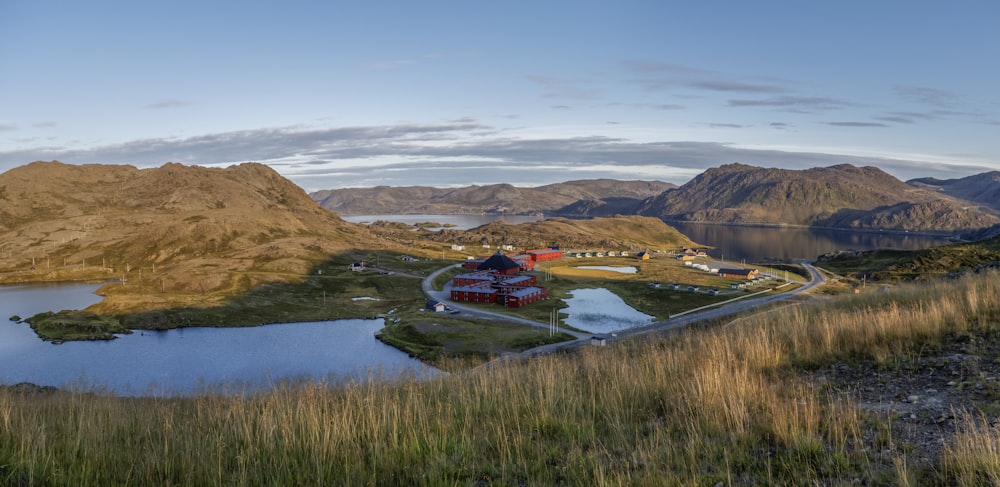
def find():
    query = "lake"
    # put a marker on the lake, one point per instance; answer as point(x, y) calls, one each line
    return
point(188, 360)
point(460, 222)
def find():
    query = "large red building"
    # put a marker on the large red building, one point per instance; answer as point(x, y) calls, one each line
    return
point(497, 280)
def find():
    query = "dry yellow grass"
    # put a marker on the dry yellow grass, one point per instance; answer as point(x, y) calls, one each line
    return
point(724, 404)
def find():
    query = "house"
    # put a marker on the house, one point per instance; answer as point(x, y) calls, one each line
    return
point(457, 247)
point(407, 258)
point(644, 255)
point(598, 341)
point(507, 247)
point(356, 266)
point(738, 273)
point(436, 306)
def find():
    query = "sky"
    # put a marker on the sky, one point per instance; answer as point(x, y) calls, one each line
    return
point(336, 94)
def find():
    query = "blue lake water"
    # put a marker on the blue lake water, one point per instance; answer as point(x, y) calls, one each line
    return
point(458, 222)
point(188, 360)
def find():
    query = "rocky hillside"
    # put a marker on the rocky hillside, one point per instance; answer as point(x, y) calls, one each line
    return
point(979, 188)
point(842, 196)
point(599, 196)
point(611, 233)
point(176, 228)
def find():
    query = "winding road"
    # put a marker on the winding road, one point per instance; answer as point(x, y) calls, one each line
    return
point(726, 308)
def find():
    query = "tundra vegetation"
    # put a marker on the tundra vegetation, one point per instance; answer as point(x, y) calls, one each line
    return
point(737, 403)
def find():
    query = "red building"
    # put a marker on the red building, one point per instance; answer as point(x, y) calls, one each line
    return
point(474, 294)
point(525, 296)
point(542, 255)
point(497, 280)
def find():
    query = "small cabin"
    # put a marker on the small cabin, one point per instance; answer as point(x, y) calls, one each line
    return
point(436, 306)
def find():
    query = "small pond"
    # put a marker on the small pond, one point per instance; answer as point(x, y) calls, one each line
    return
point(188, 360)
point(619, 269)
point(598, 310)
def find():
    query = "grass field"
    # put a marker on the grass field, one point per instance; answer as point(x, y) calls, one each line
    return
point(731, 404)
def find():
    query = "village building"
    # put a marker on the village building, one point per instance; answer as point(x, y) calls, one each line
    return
point(498, 280)
point(644, 255)
point(738, 273)
point(437, 306)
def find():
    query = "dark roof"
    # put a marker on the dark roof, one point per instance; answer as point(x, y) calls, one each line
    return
point(498, 262)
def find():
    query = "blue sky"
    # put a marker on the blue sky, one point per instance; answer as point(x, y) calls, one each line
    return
point(351, 94)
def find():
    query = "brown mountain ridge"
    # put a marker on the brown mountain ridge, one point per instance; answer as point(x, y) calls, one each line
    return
point(188, 228)
point(608, 195)
point(842, 196)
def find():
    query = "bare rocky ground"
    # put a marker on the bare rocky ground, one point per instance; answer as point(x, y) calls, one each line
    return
point(917, 403)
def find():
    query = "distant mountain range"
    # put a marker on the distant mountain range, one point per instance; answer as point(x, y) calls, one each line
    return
point(842, 196)
point(595, 197)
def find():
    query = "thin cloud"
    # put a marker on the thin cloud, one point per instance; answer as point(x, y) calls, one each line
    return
point(7, 126)
point(927, 96)
point(730, 86)
point(44, 125)
point(725, 125)
point(167, 104)
point(856, 124)
point(560, 88)
point(667, 106)
point(793, 102)
point(454, 154)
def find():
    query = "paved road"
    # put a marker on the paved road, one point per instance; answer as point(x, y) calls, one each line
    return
point(731, 307)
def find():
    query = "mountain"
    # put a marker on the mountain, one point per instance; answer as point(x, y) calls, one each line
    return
point(979, 188)
point(173, 228)
point(599, 197)
point(611, 233)
point(842, 196)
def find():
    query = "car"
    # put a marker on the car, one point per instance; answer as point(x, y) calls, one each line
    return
point(454, 312)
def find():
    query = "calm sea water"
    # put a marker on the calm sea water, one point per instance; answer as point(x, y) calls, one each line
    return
point(460, 222)
point(188, 360)
point(730, 242)
point(754, 244)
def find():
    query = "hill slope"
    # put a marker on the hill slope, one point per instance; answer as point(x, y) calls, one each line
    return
point(191, 229)
point(612, 195)
point(842, 196)
point(979, 188)
point(612, 233)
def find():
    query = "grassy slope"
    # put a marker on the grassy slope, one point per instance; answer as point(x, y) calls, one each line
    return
point(730, 404)
point(914, 264)
point(607, 233)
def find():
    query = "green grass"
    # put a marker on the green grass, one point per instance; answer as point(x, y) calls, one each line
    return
point(75, 325)
point(439, 339)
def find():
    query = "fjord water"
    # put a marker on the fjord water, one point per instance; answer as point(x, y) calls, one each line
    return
point(188, 360)
point(754, 244)
point(457, 222)
point(731, 242)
